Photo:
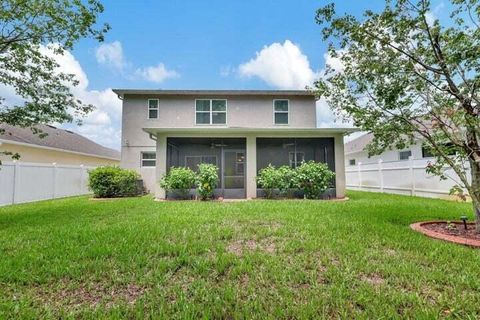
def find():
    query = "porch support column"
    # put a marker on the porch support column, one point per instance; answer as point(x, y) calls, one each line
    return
point(251, 184)
point(161, 165)
point(339, 166)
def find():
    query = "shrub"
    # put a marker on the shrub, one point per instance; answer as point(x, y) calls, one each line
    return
point(269, 179)
point(313, 178)
point(207, 178)
point(179, 179)
point(112, 181)
point(286, 176)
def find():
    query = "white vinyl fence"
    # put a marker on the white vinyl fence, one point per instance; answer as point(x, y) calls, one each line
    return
point(401, 177)
point(27, 182)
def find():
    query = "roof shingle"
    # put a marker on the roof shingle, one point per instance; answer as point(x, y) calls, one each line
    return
point(58, 139)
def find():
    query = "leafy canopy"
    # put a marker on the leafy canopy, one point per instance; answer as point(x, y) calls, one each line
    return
point(405, 76)
point(27, 27)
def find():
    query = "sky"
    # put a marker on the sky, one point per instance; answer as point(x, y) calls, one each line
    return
point(193, 44)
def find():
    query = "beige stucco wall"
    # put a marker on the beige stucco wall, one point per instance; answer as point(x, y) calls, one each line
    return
point(40, 155)
point(242, 111)
point(179, 112)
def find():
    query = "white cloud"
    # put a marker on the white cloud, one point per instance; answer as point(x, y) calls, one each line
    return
point(156, 74)
point(111, 54)
point(432, 15)
point(333, 62)
point(103, 124)
point(326, 118)
point(282, 66)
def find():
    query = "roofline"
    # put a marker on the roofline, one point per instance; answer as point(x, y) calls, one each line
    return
point(239, 130)
point(349, 153)
point(122, 92)
point(6, 141)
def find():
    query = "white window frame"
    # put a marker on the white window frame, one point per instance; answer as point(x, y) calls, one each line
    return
point(400, 152)
point(149, 108)
point(142, 159)
point(210, 112)
point(287, 112)
point(290, 162)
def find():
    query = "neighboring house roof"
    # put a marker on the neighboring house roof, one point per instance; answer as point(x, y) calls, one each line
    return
point(358, 144)
point(57, 139)
point(122, 92)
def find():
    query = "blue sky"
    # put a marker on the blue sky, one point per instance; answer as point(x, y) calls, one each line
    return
point(204, 40)
point(214, 44)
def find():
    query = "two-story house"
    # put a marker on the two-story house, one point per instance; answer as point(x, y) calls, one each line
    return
point(240, 131)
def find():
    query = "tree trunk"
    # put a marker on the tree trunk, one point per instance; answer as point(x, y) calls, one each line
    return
point(475, 194)
point(476, 210)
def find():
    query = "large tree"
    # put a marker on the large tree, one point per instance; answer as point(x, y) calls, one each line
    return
point(27, 27)
point(406, 75)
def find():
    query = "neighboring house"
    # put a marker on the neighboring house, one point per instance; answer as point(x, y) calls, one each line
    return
point(240, 131)
point(395, 171)
point(59, 146)
point(355, 152)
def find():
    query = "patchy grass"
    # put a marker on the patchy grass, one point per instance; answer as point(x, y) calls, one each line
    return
point(257, 259)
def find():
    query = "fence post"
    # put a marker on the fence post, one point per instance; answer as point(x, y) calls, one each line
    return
point(54, 167)
point(16, 174)
point(360, 175)
point(81, 179)
point(412, 175)
point(380, 173)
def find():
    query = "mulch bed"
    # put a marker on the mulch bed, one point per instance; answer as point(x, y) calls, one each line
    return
point(449, 231)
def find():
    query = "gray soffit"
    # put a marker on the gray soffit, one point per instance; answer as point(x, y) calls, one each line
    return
point(273, 93)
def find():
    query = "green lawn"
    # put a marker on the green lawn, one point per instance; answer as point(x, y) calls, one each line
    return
point(256, 259)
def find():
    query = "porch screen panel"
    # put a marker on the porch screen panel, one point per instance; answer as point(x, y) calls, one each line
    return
point(291, 151)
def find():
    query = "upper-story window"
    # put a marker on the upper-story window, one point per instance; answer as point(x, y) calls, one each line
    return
point(280, 111)
point(352, 162)
point(210, 111)
point(153, 108)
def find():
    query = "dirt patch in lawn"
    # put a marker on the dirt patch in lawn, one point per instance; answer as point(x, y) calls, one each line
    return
point(375, 279)
point(73, 295)
point(241, 225)
point(239, 247)
point(449, 231)
point(179, 279)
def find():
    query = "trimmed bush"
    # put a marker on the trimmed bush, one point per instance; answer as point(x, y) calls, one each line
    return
point(207, 179)
point(286, 180)
point(313, 178)
point(269, 179)
point(112, 181)
point(179, 179)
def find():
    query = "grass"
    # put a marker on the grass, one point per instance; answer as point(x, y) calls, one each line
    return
point(74, 258)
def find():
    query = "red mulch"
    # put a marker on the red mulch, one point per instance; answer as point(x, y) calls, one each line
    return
point(454, 229)
point(453, 232)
